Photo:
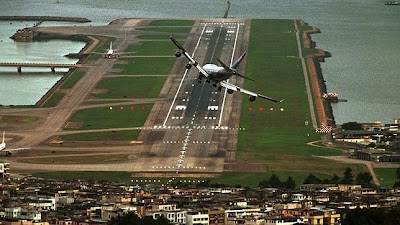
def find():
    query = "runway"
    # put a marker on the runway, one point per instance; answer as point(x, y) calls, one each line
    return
point(208, 128)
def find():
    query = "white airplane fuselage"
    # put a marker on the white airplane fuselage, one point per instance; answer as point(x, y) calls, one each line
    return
point(217, 73)
point(2, 146)
point(110, 53)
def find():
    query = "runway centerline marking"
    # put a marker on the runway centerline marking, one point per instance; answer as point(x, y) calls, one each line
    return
point(184, 75)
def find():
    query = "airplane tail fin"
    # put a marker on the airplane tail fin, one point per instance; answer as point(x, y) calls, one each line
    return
point(238, 61)
point(4, 133)
point(110, 46)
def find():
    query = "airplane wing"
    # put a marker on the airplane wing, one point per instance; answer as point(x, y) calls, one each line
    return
point(253, 95)
point(191, 60)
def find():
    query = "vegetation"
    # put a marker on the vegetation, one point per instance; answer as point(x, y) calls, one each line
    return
point(153, 48)
point(53, 100)
point(254, 179)
point(275, 136)
point(387, 176)
point(140, 66)
point(351, 126)
point(79, 159)
point(102, 118)
point(372, 216)
point(121, 177)
point(275, 182)
point(131, 87)
point(17, 119)
point(131, 218)
point(363, 178)
point(72, 79)
point(127, 135)
point(172, 23)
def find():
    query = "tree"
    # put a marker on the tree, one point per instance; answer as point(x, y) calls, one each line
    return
point(132, 219)
point(290, 183)
point(312, 179)
point(365, 179)
point(274, 181)
point(351, 126)
point(128, 219)
point(398, 173)
point(348, 176)
point(335, 179)
point(263, 184)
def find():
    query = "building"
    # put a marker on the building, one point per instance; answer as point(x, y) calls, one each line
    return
point(193, 218)
point(4, 170)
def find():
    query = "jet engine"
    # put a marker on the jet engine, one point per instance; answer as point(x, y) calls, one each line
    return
point(188, 66)
point(178, 54)
point(252, 98)
point(230, 91)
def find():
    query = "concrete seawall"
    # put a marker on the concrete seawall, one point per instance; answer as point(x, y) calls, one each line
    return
point(46, 18)
point(323, 107)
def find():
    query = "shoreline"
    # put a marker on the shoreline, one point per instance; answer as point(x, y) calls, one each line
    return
point(46, 18)
point(322, 107)
point(89, 42)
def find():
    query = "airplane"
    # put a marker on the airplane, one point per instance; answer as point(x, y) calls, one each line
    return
point(218, 75)
point(9, 151)
point(110, 54)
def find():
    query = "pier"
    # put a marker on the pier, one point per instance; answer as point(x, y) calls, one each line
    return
point(52, 66)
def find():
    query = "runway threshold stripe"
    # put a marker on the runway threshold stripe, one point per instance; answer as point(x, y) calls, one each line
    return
point(183, 78)
point(233, 54)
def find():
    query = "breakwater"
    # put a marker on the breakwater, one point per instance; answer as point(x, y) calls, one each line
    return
point(46, 18)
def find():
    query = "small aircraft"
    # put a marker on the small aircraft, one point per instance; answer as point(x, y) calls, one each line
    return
point(218, 75)
point(110, 54)
point(9, 151)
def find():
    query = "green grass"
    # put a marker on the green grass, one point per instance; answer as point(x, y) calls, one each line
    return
point(128, 135)
point(277, 137)
point(104, 117)
point(172, 23)
point(131, 87)
point(19, 106)
point(72, 79)
point(161, 37)
point(18, 119)
point(120, 177)
point(159, 48)
point(170, 30)
point(53, 100)
point(150, 66)
point(387, 176)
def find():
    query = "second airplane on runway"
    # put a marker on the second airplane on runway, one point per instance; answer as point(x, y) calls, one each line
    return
point(218, 75)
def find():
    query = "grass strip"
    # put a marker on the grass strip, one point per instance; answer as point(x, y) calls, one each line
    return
point(117, 117)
